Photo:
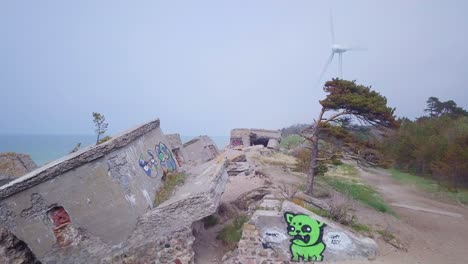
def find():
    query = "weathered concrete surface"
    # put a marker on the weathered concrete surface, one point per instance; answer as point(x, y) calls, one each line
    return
point(273, 144)
point(177, 148)
point(235, 168)
point(200, 150)
point(14, 165)
point(102, 189)
point(13, 250)
point(266, 238)
point(163, 234)
point(75, 159)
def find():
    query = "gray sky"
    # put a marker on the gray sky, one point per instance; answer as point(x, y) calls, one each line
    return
point(205, 67)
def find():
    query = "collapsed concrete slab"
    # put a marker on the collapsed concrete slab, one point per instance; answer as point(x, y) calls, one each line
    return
point(281, 231)
point(250, 137)
point(96, 205)
point(200, 149)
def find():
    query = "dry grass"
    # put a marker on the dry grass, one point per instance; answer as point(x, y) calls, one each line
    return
point(276, 158)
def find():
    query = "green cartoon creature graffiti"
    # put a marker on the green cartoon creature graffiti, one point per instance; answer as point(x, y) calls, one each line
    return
point(307, 237)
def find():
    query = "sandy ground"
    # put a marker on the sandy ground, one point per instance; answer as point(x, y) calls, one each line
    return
point(430, 237)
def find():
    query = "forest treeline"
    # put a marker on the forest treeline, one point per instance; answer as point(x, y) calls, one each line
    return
point(434, 145)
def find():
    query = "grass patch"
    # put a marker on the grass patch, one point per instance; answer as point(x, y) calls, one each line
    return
point(360, 192)
point(232, 233)
point(386, 235)
point(317, 211)
point(358, 227)
point(277, 158)
point(291, 141)
point(172, 181)
point(430, 186)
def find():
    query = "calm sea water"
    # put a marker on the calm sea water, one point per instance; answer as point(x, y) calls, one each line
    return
point(47, 148)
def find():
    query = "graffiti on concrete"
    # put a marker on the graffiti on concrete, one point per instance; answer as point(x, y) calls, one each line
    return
point(165, 157)
point(307, 233)
point(337, 240)
point(274, 236)
point(149, 166)
point(236, 142)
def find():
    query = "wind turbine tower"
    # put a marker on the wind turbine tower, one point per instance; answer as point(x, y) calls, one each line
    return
point(337, 49)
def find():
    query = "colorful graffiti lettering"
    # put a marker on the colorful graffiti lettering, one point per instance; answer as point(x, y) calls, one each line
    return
point(165, 156)
point(307, 236)
point(236, 142)
point(150, 165)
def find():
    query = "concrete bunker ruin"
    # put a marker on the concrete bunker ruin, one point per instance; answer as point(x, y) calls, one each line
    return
point(251, 137)
point(97, 205)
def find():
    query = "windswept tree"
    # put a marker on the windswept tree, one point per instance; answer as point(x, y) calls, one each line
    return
point(100, 125)
point(436, 108)
point(346, 102)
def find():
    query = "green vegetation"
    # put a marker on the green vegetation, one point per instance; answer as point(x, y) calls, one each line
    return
point(431, 186)
point(345, 179)
point(360, 192)
point(344, 102)
point(362, 228)
point(210, 221)
point(104, 139)
point(317, 211)
point(100, 124)
point(172, 181)
point(291, 141)
point(434, 146)
point(386, 235)
point(232, 233)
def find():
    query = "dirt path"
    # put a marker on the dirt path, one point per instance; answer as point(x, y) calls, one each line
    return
point(434, 231)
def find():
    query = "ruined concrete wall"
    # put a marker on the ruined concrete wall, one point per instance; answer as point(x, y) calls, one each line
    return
point(246, 137)
point(271, 134)
point(13, 250)
point(240, 137)
point(200, 150)
point(161, 235)
point(177, 148)
point(15, 164)
point(102, 190)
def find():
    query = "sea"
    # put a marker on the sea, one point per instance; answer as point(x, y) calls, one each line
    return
point(44, 148)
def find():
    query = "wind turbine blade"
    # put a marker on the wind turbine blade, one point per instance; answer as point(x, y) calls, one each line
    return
point(325, 68)
point(356, 48)
point(332, 30)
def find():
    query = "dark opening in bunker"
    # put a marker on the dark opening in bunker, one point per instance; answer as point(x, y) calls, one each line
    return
point(259, 141)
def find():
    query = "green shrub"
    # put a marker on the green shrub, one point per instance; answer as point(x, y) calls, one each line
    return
point(210, 221)
point(232, 233)
point(291, 141)
point(172, 181)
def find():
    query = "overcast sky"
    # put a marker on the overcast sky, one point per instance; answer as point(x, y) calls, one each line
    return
point(205, 67)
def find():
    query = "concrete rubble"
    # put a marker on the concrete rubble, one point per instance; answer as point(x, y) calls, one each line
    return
point(266, 237)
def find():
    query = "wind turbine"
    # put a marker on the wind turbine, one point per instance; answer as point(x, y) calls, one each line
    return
point(337, 49)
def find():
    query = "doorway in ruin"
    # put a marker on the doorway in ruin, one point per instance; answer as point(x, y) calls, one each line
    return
point(254, 140)
point(178, 156)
